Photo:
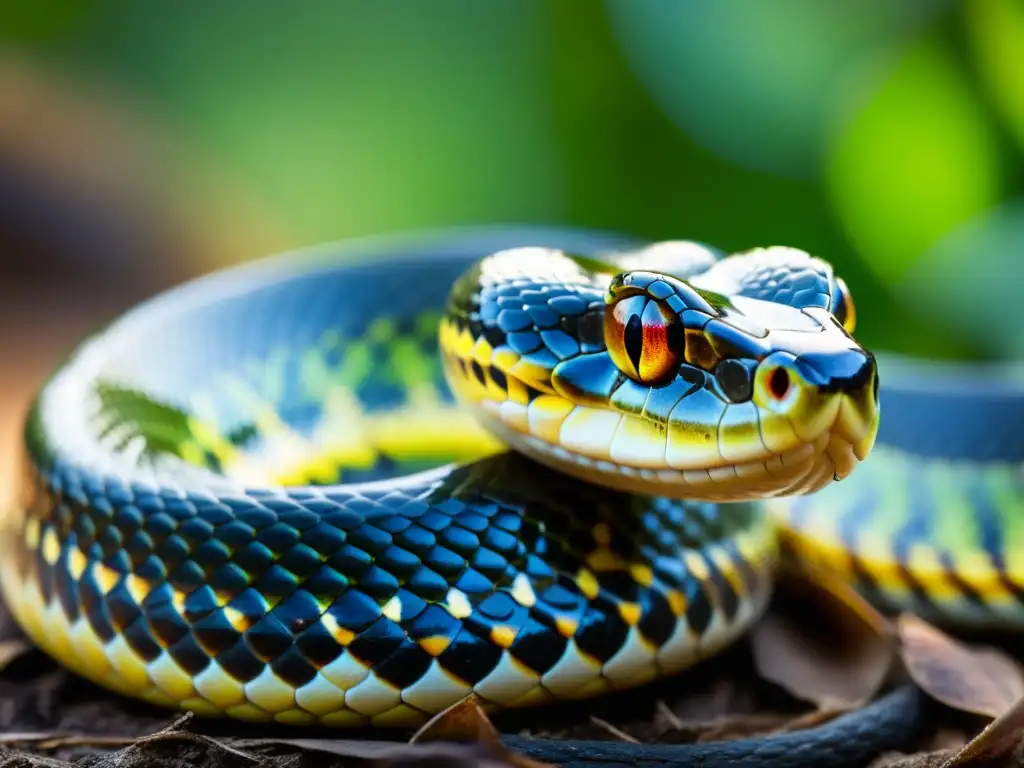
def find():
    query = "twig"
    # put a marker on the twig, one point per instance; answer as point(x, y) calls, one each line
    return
point(621, 735)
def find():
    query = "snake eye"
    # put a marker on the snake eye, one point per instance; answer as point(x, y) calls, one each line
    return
point(644, 338)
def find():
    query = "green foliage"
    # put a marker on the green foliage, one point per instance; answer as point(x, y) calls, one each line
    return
point(867, 133)
point(129, 415)
point(919, 136)
point(996, 29)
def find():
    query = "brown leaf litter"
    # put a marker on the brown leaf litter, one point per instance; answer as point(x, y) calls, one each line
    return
point(840, 660)
point(977, 679)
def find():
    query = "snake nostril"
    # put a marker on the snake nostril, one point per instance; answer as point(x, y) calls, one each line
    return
point(778, 383)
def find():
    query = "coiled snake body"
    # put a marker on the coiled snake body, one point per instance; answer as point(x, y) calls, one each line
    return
point(256, 495)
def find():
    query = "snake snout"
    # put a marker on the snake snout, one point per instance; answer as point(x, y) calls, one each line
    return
point(850, 377)
point(833, 393)
point(849, 370)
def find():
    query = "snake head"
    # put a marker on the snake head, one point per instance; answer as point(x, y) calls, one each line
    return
point(654, 384)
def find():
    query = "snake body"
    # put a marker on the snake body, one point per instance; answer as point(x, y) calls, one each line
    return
point(284, 492)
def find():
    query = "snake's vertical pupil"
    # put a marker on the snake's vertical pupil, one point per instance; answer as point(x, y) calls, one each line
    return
point(633, 340)
point(645, 339)
point(677, 340)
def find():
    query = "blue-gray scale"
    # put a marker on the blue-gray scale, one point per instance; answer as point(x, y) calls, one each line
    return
point(475, 528)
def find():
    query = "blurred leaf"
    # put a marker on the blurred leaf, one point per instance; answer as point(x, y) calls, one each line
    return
point(628, 166)
point(838, 597)
point(130, 414)
point(996, 30)
point(973, 273)
point(974, 679)
point(747, 79)
point(40, 20)
point(837, 661)
point(1001, 743)
point(915, 160)
point(349, 118)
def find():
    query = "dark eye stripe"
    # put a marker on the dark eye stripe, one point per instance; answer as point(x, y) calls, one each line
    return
point(633, 339)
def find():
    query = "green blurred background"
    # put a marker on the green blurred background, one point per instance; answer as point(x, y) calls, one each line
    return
point(142, 143)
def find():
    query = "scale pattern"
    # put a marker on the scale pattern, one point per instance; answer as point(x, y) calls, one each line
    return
point(343, 588)
point(346, 608)
point(169, 547)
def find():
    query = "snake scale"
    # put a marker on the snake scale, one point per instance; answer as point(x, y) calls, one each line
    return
point(285, 492)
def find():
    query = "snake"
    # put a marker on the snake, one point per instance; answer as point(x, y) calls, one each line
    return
point(351, 486)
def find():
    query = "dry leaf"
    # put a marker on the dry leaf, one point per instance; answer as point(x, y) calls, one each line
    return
point(835, 591)
point(466, 721)
point(919, 760)
point(823, 643)
point(11, 650)
point(358, 752)
point(1001, 743)
point(976, 679)
point(351, 749)
point(176, 730)
point(56, 740)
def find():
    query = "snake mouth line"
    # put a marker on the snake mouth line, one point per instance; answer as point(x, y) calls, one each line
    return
point(803, 469)
point(787, 451)
point(757, 449)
